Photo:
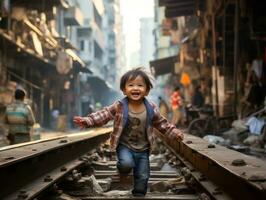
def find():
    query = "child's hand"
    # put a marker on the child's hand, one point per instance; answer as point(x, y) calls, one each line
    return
point(79, 121)
point(180, 136)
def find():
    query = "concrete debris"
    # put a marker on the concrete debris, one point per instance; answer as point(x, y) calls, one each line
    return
point(204, 196)
point(157, 158)
point(216, 140)
point(95, 157)
point(235, 136)
point(63, 197)
point(176, 182)
point(159, 186)
point(76, 175)
point(105, 184)
point(252, 140)
point(186, 173)
point(116, 193)
point(164, 186)
point(239, 125)
point(93, 184)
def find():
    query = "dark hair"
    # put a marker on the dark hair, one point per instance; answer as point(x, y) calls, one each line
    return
point(132, 75)
point(20, 94)
point(177, 88)
point(197, 88)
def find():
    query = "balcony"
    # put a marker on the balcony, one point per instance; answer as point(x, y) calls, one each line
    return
point(98, 36)
point(73, 17)
point(86, 57)
point(112, 53)
point(84, 31)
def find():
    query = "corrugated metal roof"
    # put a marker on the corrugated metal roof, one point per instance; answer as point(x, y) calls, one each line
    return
point(176, 8)
point(163, 65)
point(40, 4)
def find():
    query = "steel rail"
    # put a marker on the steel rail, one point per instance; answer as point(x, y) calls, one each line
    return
point(35, 165)
point(236, 174)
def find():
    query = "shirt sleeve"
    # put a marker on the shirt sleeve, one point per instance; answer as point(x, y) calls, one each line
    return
point(101, 117)
point(165, 127)
point(5, 118)
point(30, 116)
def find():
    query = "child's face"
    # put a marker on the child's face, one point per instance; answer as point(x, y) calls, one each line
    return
point(136, 89)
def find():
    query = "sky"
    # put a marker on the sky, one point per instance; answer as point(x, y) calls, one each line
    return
point(132, 11)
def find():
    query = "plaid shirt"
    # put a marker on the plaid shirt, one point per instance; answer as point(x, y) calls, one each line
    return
point(118, 112)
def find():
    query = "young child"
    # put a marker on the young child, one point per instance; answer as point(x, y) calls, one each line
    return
point(134, 119)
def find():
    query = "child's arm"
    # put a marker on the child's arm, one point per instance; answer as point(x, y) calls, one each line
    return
point(98, 118)
point(165, 127)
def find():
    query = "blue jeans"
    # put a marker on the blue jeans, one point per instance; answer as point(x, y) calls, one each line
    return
point(139, 162)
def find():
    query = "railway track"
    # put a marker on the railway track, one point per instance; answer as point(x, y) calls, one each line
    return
point(78, 166)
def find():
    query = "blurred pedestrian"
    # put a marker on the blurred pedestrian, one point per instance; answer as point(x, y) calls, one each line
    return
point(176, 103)
point(55, 115)
point(197, 97)
point(19, 118)
point(133, 135)
point(255, 89)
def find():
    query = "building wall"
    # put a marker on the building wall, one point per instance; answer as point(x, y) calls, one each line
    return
point(147, 47)
point(163, 47)
point(114, 54)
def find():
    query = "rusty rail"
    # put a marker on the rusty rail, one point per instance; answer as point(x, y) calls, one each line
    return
point(239, 175)
point(34, 166)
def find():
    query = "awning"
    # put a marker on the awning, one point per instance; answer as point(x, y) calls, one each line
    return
point(78, 68)
point(41, 4)
point(102, 92)
point(164, 65)
point(97, 84)
point(78, 64)
point(176, 8)
point(75, 57)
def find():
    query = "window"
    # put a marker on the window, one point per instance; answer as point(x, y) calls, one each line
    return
point(82, 45)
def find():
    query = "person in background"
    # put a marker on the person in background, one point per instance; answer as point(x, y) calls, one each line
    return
point(19, 118)
point(55, 115)
point(255, 89)
point(197, 98)
point(176, 103)
point(133, 134)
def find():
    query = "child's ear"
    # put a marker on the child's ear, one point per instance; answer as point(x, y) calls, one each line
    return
point(124, 92)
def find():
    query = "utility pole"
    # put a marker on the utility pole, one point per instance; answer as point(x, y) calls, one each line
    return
point(215, 64)
point(236, 57)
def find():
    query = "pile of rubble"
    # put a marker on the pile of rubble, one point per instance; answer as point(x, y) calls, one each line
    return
point(246, 135)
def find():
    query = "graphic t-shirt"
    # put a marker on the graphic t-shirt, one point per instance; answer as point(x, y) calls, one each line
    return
point(134, 134)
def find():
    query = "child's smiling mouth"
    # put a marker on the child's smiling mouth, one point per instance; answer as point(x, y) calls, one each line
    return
point(135, 94)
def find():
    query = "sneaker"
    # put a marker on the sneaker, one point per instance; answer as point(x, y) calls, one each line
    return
point(122, 182)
